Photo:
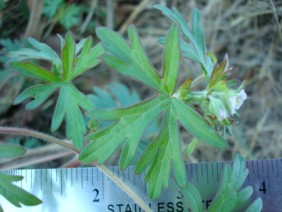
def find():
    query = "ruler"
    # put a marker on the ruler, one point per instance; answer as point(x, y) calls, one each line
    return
point(88, 189)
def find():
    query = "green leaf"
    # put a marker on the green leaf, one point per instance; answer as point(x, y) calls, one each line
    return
point(70, 15)
point(50, 8)
point(230, 196)
point(256, 206)
point(89, 57)
point(9, 45)
point(197, 126)
point(191, 147)
point(196, 50)
point(39, 92)
point(192, 197)
point(68, 105)
point(128, 124)
point(68, 53)
point(10, 86)
point(125, 59)
point(114, 95)
point(198, 32)
point(171, 59)
point(11, 151)
point(31, 70)
point(75, 60)
point(168, 149)
point(40, 51)
point(128, 129)
point(14, 194)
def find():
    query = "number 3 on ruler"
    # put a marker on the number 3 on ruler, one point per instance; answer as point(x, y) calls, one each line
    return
point(96, 199)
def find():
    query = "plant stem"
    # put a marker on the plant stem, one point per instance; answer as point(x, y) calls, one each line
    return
point(104, 169)
point(35, 134)
point(138, 200)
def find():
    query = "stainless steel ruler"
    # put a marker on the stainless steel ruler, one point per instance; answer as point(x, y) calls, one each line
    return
point(88, 189)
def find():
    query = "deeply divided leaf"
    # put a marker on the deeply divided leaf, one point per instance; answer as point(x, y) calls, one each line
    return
point(39, 93)
point(125, 58)
point(75, 60)
point(17, 196)
point(68, 105)
point(166, 148)
point(128, 124)
point(230, 196)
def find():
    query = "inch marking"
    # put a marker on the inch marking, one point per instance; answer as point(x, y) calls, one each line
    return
point(263, 177)
point(61, 181)
point(258, 168)
point(71, 178)
point(81, 175)
point(31, 180)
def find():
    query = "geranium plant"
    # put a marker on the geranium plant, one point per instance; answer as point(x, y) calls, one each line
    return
point(206, 114)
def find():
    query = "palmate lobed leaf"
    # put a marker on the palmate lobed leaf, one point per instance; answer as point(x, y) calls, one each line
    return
point(125, 59)
point(39, 93)
point(230, 196)
point(76, 59)
point(14, 194)
point(166, 148)
point(130, 123)
point(68, 105)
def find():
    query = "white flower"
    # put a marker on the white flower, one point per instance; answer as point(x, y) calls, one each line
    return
point(241, 97)
point(222, 114)
point(225, 104)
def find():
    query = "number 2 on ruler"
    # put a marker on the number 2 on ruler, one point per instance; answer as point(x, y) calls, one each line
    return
point(96, 199)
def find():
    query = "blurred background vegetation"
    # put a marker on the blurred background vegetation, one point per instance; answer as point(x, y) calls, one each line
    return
point(248, 30)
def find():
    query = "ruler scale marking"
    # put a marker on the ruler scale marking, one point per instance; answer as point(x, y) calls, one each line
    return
point(268, 177)
point(263, 177)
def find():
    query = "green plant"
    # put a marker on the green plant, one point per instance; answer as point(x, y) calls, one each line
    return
point(68, 15)
point(75, 60)
point(11, 192)
point(204, 114)
point(10, 82)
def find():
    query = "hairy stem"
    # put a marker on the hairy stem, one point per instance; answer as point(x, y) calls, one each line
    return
point(35, 134)
point(104, 169)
